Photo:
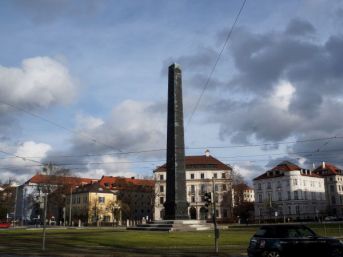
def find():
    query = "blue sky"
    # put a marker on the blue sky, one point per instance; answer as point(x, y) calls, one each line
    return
point(99, 69)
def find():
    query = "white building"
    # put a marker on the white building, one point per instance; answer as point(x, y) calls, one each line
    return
point(242, 193)
point(289, 192)
point(333, 178)
point(199, 173)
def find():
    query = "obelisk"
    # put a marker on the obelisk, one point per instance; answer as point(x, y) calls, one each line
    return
point(176, 206)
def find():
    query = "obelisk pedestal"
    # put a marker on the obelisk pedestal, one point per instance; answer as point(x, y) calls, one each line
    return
point(176, 206)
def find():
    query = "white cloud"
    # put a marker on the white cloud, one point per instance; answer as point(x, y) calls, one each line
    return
point(282, 95)
point(40, 81)
point(23, 168)
point(111, 166)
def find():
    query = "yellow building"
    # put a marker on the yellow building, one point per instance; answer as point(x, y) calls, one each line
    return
point(92, 204)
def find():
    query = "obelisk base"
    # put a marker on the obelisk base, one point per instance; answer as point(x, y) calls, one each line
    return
point(176, 211)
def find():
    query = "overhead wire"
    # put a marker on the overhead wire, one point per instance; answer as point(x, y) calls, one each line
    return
point(216, 62)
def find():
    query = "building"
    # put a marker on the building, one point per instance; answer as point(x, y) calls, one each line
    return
point(242, 193)
point(30, 196)
point(199, 173)
point(289, 192)
point(333, 178)
point(136, 196)
point(92, 203)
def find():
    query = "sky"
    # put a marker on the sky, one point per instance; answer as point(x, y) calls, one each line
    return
point(83, 84)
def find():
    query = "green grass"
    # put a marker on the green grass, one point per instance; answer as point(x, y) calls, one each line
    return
point(106, 242)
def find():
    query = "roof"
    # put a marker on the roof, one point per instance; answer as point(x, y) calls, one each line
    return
point(58, 180)
point(125, 183)
point(92, 188)
point(200, 162)
point(327, 169)
point(285, 166)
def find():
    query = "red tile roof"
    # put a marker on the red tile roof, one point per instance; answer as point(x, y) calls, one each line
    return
point(284, 166)
point(327, 169)
point(127, 183)
point(59, 180)
point(200, 162)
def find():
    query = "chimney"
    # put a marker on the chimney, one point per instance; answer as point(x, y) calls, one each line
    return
point(207, 153)
point(323, 165)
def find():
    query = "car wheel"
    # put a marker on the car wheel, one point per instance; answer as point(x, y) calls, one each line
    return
point(271, 254)
point(336, 252)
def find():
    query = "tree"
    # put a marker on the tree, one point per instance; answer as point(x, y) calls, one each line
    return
point(242, 207)
point(237, 178)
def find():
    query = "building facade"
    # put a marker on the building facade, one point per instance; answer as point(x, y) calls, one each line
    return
point(288, 192)
point(136, 196)
point(91, 204)
point(333, 178)
point(201, 172)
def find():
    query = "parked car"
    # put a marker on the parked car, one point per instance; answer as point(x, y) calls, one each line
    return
point(292, 240)
point(5, 224)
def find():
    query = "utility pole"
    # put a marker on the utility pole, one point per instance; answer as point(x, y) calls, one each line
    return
point(214, 214)
point(71, 198)
point(44, 217)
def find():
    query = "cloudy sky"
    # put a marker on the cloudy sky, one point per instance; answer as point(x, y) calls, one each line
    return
point(83, 84)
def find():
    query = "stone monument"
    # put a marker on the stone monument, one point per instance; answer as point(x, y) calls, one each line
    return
point(176, 206)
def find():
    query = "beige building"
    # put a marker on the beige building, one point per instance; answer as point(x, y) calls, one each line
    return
point(92, 203)
point(200, 170)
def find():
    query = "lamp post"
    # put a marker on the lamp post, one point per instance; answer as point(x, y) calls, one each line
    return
point(71, 198)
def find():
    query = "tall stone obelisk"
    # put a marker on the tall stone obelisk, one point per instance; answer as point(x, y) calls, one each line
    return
point(176, 206)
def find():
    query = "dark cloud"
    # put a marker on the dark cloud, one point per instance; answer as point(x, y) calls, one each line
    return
point(203, 59)
point(298, 27)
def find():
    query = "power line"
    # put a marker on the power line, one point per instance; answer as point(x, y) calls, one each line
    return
point(92, 139)
point(193, 148)
point(216, 62)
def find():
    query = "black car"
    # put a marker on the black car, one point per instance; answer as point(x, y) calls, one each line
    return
point(292, 240)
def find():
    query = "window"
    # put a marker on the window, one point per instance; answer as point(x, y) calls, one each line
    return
point(333, 200)
point(216, 188)
point(296, 197)
point(107, 185)
point(224, 187)
point(193, 199)
point(215, 175)
point(269, 186)
point(279, 196)
point(202, 175)
point(161, 189)
point(260, 198)
point(289, 210)
point(223, 175)
point(192, 175)
point(161, 200)
point(279, 184)
point(289, 195)
point(101, 199)
point(192, 188)
point(202, 188)
point(161, 177)
point(305, 195)
point(332, 189)
point(295, 182)
point(297, 209)
point(259, 186)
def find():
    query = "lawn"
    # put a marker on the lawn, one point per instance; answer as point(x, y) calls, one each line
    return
point(119, 242)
